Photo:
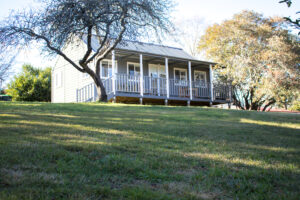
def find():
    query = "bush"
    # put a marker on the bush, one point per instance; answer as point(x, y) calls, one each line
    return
point(32, 84)
point(296, 106)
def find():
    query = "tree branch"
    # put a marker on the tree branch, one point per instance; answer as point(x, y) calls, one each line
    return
point(82, 62)
point(119, 38)
point(48, 43)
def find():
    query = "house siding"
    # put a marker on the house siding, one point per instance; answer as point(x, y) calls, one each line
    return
point(122, 65)
point(73, 79)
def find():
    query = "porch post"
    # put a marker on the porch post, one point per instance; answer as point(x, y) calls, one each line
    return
point(113, 60)
point(190, 80)
point(77, 99)
point(211, 84)
point(167, 77)
point(141, 78)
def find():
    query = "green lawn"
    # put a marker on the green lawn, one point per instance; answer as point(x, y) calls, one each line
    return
point(107, 151)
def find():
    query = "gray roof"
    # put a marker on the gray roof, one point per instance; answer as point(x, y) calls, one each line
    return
point(148, 48)
point(161, 50)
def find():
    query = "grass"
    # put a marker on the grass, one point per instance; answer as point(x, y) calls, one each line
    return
point(106, 151)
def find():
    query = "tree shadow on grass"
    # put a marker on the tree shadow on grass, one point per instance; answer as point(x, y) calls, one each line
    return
point(116, 149)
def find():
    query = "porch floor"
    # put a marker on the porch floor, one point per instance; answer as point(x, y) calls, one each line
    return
point(172, 98)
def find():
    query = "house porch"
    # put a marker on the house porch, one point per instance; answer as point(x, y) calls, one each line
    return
point(149, 76)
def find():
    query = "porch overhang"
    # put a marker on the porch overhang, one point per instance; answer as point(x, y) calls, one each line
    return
point(159, 58)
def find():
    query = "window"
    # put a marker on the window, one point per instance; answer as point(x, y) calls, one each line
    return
point(106, 68)
point(58, 79)
point(133, 69)
point(200, 78)
point(180, 76)
point(157, 71)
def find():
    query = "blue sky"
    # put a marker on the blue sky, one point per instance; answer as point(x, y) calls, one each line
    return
point(213, 11)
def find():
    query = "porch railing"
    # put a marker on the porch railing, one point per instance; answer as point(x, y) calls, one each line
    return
point(87, 93)
point(201, 89)
point(179, 88)
point(221, 91)
point(156, 87)
point(127, 83)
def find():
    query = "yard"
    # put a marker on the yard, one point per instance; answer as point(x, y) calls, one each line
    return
point(115, 151)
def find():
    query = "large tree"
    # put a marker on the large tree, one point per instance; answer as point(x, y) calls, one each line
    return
point(188, 33)
point(257, 56)
point(6, 61)
point(32, 84)
point(60, 22)
point(295, 22)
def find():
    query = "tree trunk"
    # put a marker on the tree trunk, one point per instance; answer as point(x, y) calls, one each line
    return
point(237, 102)
point(247, 105)
point(101, 92)
point(268, 105)
point(285, 105)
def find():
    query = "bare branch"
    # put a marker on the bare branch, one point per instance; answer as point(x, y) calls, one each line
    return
point(59, 22)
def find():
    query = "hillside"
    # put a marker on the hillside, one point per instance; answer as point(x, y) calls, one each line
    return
point(107, 151)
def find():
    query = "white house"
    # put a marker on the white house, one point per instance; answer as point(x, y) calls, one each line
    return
point(138, 70)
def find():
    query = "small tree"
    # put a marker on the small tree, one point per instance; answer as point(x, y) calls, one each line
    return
point(257, 56)
point(60, 22)
point(32, 84)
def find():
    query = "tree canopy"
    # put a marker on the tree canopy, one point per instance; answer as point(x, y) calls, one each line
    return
point(257, 56)
point(32, 84)
point(294, 22)
point(60, 22)
point(6, 61)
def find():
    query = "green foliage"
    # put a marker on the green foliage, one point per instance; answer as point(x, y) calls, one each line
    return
point(257, 56)
point(296, 106)
point(32, 84)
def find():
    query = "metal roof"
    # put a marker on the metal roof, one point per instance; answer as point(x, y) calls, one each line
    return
point(151, 49)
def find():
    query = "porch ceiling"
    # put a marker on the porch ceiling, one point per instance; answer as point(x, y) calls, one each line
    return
point(129, 48)
point(155, 59)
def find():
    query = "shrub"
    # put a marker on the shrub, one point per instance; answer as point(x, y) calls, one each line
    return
point(32, 84)
point(296, 106)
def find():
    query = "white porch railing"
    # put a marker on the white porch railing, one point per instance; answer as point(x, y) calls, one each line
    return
point(201, 89)
point(156, 87)
point(127, 83)
point(179, 88)
point(89, 92)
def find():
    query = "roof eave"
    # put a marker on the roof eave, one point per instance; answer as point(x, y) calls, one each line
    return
point(170, 57)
